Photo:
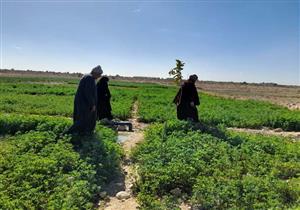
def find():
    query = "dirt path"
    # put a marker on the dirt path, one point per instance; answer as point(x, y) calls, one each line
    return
point(126, 179)
point(124, 182)
point(277, 132)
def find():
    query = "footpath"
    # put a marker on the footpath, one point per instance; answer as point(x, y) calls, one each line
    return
point(118, 194)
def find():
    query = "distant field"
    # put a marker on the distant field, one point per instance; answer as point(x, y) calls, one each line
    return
point(55, 97)
point(284, 95)
point(288, 96)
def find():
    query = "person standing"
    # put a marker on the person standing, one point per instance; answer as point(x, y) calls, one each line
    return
point(103, 102)
point(84, 115)
point(187, 99)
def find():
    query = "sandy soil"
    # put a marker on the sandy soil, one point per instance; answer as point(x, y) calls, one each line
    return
point(277, 132)
point(288, 96)
point(128, 175)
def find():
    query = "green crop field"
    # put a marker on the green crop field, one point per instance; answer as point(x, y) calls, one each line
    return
point(41, 169)
point(215, 169)
point(208, 166)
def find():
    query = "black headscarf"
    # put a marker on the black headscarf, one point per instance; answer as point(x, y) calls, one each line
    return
point(103, 82)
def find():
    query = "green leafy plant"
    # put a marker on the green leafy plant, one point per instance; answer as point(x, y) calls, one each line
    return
point(214, 172)
point(42, 169)
point(176, 72)
point(24, 96)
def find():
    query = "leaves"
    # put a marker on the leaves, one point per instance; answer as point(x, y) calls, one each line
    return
point(213, 172)
point(42, 169)
point(176, 72)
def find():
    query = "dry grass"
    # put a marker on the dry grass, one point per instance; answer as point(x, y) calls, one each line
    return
point(288, 96)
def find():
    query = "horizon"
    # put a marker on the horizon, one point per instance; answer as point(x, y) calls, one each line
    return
point(225, 41)
point(124, 76)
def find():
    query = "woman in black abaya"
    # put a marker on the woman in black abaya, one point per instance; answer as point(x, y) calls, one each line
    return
point(103, 102)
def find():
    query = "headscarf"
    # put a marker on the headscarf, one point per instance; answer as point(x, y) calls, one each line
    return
point(103, 82)
point(193, 78)
point(97, 70)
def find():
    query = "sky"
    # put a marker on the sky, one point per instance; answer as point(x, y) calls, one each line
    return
point(232, 40)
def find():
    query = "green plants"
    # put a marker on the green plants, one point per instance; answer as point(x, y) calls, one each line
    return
point(176, 72)
point(42, 169)
point(232, 170)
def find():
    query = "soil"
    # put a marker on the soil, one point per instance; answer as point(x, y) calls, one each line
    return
point(295, 136)
point(287, 96)
point(126, 179)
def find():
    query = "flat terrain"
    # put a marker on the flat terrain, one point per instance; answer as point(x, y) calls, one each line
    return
point(288, 96)
point(242, 154)
point(284, 95)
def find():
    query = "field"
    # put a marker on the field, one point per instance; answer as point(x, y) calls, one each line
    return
point(204, 165)
point(288, 96)
point(214, 169)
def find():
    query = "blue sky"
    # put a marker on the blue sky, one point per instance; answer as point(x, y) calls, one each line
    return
point(253, 41)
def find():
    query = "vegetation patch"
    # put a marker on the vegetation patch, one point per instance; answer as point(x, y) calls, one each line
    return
point(156, 106)
point(43, 97)
point(43, 169)
point(212, 169)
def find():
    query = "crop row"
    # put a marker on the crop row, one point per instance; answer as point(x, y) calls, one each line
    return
point(43, 169)
point(38, 89)
point(216, 170)
point(64, 87)
point(122, 102)
point(11, 124)
point(37, 80)
point(155, 105)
